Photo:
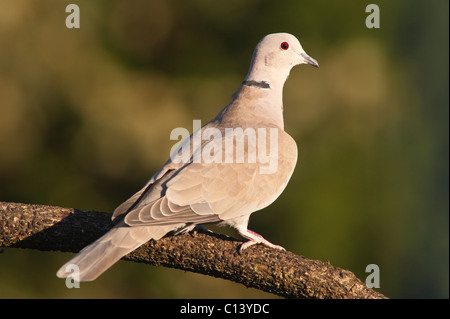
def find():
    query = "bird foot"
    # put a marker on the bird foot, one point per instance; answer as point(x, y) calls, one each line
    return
point(255, 238)
point(200, 229)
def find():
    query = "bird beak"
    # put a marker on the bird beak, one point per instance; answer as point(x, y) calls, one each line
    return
point(306, 59)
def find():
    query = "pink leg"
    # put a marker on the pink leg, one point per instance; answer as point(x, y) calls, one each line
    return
point(254, 238)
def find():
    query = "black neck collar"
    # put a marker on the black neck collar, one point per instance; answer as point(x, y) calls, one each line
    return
point(258, 84)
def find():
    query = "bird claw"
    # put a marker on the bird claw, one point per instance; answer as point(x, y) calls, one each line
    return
point(200, 229)
point(255, 238)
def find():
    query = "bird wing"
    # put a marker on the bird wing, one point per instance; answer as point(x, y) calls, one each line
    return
point(149, 192)
point(208, 192)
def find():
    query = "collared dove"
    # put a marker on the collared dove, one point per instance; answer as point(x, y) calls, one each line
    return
point(185, 194)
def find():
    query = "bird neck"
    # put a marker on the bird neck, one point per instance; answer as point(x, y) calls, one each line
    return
point(260, 97)
point(256, 101)
point(267, 77)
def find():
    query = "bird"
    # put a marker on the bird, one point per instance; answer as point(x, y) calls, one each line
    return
point(184, 195)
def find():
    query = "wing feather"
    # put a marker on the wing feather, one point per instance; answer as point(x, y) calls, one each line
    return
point(209, 192)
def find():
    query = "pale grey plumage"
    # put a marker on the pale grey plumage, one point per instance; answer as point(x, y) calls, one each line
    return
point(182, 195)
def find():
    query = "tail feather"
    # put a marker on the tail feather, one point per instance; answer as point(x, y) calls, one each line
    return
point(96, 258)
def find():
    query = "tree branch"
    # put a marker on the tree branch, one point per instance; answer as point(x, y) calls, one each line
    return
point(282, 273)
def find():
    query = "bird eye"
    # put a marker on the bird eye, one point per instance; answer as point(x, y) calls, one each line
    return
point(285, 45)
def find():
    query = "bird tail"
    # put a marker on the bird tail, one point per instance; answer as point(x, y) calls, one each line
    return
point(96, 258)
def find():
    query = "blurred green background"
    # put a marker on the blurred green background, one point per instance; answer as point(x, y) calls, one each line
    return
point(86, 116)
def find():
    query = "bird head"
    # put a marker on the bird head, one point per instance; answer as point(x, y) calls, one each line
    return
point(275, 55)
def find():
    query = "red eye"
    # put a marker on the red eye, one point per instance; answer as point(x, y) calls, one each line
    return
point(285, 45)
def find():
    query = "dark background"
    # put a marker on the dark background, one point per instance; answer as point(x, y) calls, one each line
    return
point(86, 116)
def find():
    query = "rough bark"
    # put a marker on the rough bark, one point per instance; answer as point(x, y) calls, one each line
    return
point(283, 273)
